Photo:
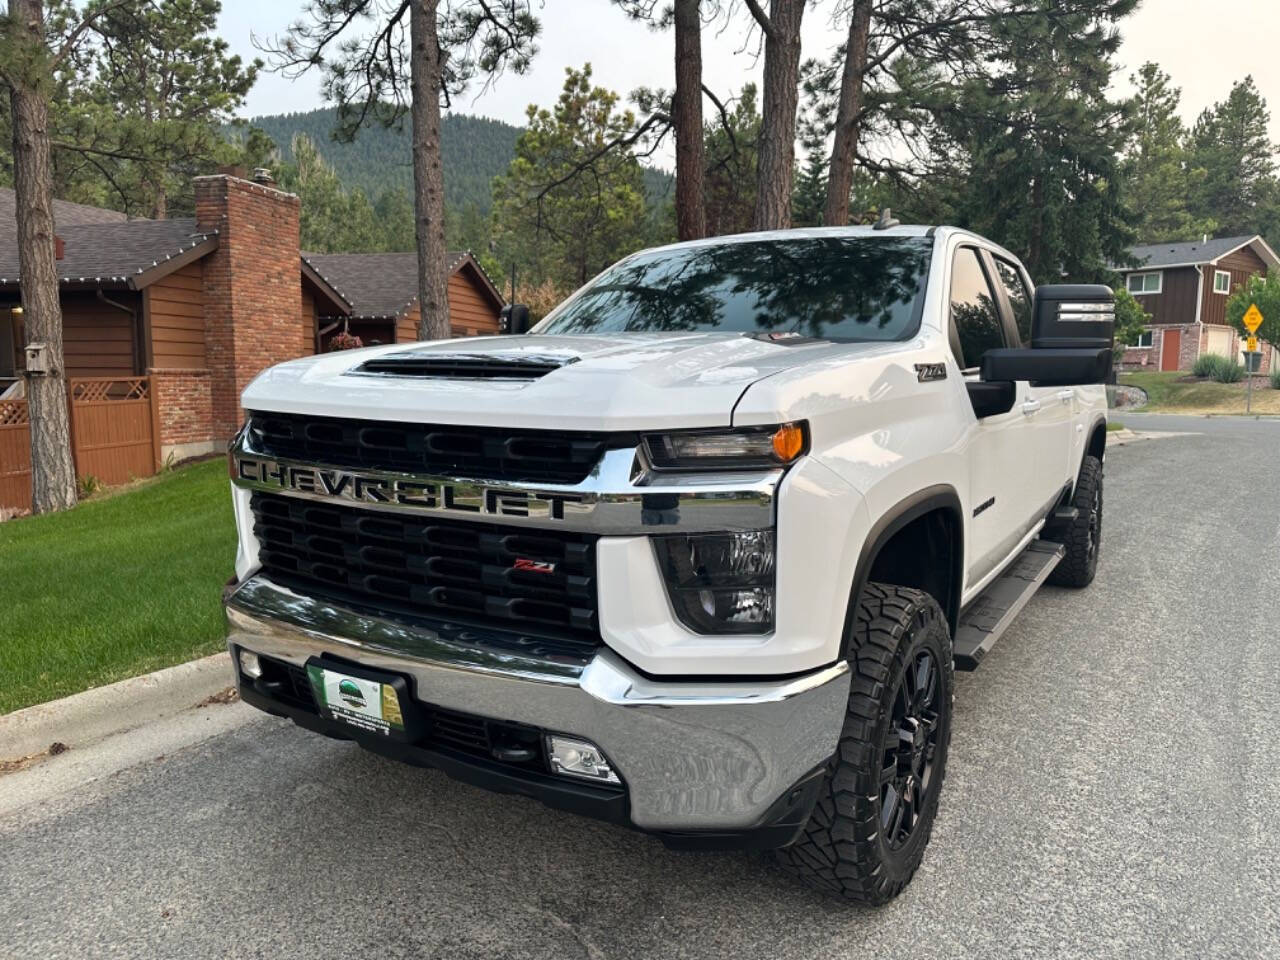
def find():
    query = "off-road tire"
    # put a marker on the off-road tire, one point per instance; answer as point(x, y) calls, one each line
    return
point(844, 848)
point(1083, 537)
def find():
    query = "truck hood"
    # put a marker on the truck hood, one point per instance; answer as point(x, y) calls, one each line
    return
point(596, 382)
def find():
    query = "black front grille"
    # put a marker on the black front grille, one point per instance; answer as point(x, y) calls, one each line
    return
point(482, 453)
point(536, 581)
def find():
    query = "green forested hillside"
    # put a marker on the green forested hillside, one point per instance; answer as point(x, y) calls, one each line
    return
point(474, 149)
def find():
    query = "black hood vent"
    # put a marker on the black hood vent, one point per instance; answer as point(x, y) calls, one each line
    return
point(464, 366)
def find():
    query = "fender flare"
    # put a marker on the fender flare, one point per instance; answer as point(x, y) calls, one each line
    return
point(893, 520)
point(1099, 422)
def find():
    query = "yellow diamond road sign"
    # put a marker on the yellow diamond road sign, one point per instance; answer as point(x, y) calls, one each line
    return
point(1253, 318)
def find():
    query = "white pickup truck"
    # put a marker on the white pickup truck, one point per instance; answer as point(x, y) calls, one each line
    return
point(697, 554)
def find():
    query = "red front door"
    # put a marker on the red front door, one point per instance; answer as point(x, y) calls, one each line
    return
point(1170, 350)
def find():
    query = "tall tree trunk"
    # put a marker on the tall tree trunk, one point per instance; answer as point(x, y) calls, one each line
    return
point(844, 148)
point(686, 107)
point(53, 475)
point(160, 208)
point(426, 65)
point(778, 115)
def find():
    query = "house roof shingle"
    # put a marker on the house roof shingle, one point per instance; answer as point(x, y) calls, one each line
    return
point(1185, 254)
point(376, 284)
point(65, 213)
point(113, 251)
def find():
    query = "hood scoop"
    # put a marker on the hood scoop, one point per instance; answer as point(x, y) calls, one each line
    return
point(464, 366)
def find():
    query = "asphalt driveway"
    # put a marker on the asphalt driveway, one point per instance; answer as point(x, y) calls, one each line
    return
point(1113, 791)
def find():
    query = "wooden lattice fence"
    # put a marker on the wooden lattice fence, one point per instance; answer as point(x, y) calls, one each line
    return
point(15, 456)
point(114, 436)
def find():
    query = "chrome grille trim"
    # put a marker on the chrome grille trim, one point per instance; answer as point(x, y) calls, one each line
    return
point(617, 498)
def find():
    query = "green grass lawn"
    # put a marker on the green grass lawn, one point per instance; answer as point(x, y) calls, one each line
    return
point(119, 586)
point(1168, 395)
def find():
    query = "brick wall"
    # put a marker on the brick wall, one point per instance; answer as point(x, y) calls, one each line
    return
point(184, 407)
point(1195, 343)
point(1148, 358)
point(252, 295)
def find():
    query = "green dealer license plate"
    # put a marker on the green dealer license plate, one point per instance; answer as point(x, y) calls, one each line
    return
point(370, 702)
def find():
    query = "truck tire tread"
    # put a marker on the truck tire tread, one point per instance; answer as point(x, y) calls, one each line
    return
point(840, 849)
point(1077, 568)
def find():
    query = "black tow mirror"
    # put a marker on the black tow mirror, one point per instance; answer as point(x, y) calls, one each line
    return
point(1072, 336)
point(514, 319)
point(1050, 367)
point(1074, 315)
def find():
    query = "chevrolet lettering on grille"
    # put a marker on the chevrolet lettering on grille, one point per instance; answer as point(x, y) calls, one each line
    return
point(444, 496)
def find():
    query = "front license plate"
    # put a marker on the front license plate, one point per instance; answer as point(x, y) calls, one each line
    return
point(364, 702)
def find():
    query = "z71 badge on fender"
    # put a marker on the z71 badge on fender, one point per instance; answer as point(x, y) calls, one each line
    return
point(928, 372)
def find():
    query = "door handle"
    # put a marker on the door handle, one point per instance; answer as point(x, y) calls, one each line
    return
point(1030, 406)
point(1066, 395)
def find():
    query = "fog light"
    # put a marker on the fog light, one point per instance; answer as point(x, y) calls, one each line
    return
point(250, 665)
point(579, 758)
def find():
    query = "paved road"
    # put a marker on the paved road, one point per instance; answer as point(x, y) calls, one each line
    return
point(1114, 791)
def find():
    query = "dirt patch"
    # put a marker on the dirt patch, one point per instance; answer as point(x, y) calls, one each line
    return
point(229, 695)
point(31, 759)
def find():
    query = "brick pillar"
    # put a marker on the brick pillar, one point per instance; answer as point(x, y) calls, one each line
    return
point(252, 290)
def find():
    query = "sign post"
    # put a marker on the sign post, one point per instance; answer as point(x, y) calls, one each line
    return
point(1252, 321)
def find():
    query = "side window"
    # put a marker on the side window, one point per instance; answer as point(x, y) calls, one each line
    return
point(1019, 297)
point(973, 310)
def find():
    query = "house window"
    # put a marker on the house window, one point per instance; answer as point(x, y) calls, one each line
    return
point(1144, 339)
point(1221, 281)
point(1140, 283)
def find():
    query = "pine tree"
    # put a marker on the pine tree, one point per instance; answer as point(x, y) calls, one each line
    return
point(1027, 151)
point(1159, 179)
point(1230, 142)
point(154, 85)
point(730, 184)
point(572, 202)
point(809, 194)
point(383, 59)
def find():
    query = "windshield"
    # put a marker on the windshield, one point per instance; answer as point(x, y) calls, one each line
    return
point(836, 288)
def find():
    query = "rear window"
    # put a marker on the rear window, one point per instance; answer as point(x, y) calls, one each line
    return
point(836, 288)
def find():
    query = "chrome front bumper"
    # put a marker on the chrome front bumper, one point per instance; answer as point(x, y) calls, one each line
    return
point(693, 755)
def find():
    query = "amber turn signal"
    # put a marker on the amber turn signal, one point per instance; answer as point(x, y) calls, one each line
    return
point(788, 442)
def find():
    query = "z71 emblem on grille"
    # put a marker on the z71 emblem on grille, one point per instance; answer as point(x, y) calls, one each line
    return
point(533, 566)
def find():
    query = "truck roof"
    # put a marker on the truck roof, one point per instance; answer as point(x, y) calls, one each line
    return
point(794, 233)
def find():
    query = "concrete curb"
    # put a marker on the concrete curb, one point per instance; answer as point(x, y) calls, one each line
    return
point(103, 711)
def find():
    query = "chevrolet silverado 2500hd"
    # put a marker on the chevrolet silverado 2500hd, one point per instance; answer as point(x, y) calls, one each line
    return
point(698, 553)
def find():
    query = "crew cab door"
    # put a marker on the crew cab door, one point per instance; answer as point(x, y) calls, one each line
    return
point(1002, 488)
point(1053, 408)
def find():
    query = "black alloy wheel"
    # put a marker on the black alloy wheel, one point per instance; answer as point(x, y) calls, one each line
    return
point(910, 751)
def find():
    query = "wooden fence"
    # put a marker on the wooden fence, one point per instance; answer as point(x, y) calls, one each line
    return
point(15, 456)
point(115, 437)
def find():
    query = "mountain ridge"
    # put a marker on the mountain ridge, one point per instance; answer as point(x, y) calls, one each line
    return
point(473, 150)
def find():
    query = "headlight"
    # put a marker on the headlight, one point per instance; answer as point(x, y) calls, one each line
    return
point(720, 582)
point(744, 448)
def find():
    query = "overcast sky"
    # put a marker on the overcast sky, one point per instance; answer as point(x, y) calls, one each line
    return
point(1204, 52)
